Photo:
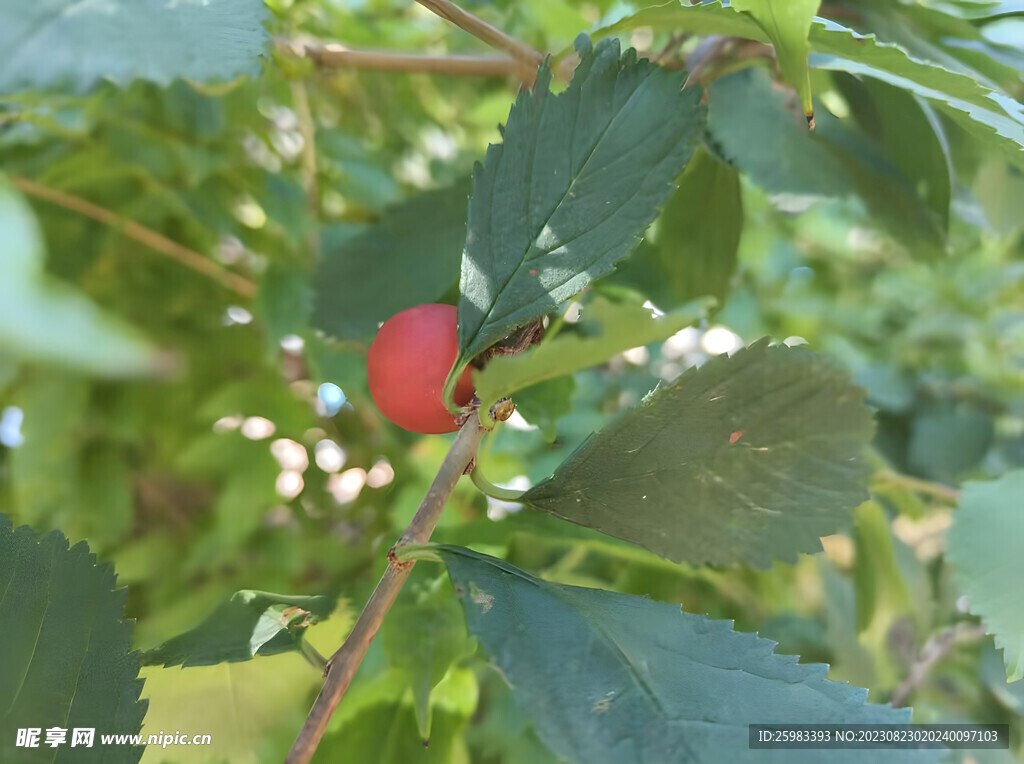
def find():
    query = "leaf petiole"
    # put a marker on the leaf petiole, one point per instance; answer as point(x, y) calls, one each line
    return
point(492, 490)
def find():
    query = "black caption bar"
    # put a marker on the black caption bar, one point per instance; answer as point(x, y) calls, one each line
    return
point(869, 736)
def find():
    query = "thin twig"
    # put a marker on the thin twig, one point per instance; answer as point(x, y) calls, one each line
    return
point(934, 650)
point(675, 41)
point(926, 487)
point(156, 241)
point(333, 55)
point(307, 128)
point(527, 56)
point(343, 664)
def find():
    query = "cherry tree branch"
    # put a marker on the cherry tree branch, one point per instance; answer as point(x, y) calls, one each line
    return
point(934, 650)
point(332, 55)
point(156, 241)
point(342, 666)
point(527, 56)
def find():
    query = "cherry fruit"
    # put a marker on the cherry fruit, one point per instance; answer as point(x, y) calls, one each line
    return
point(408, 363)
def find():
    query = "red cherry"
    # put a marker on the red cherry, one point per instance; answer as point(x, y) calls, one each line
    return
point(407, 365)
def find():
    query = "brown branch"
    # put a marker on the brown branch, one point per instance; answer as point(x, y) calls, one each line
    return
point(334, 55)
point(480, 29)
point(156, 241)
point(934, 650)
point(343, 664)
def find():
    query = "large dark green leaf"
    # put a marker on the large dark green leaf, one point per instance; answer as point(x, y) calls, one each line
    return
point(984, 548)
point(409, 257)
point(250, 623)
point(75, 44)
point(65, 653)
point(749, 124)
point(746, 459)
point(577, 180)
point(613, 678)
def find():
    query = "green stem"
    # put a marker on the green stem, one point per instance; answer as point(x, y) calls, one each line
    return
point(926, 487)
point(492, 490)
point(448, 393)
point(312, 655)
point(556, 326)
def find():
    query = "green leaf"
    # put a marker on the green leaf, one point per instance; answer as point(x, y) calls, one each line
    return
point(545, 403)
point(699, 230)
point(501, 731)
point(746, 459)
point(65, 43)
point(377, 723)
point(910, 135)
point(984, 549)
point(750, 126)
point(705, 18)
point(787, 24)
point(54, 406)
point(579, 177)
point(612, 678)
point(65, 653)
point(250, 623)
point(991, 117)
point(424, 635)
point(43, 320)
point(883, 598)
point(284, 303)
point(946, 443)
point(606, 328)
point(409, 257)
point(892, 198)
